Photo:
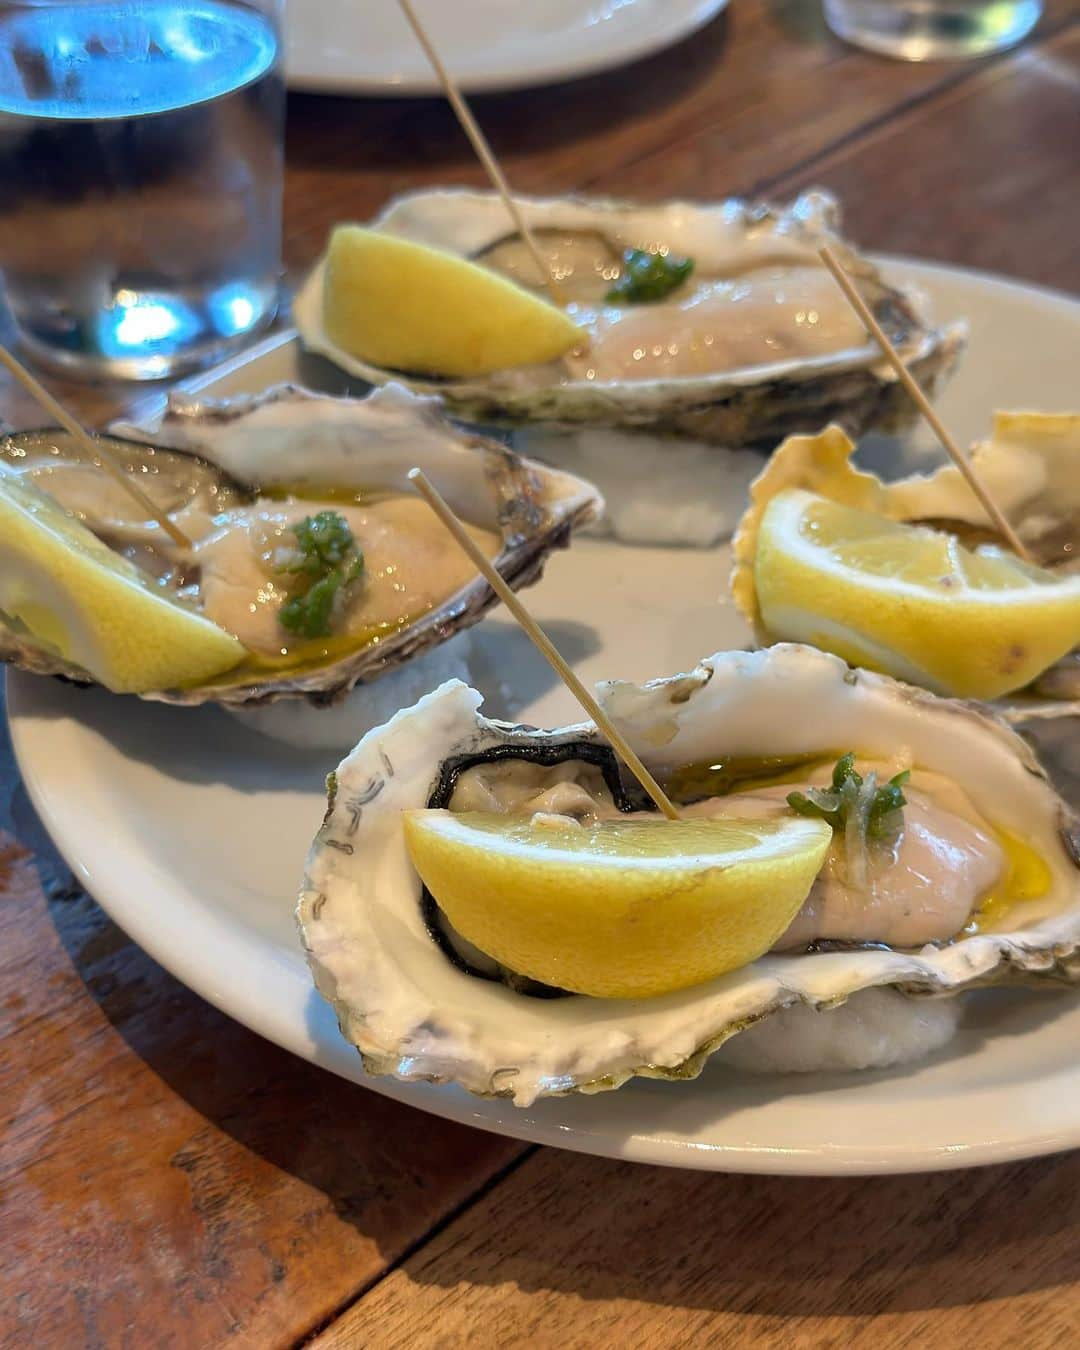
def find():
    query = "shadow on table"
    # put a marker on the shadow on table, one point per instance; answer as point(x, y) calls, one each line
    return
point(386, 1169)
point(773, 1247)
point(801, 19)
point(784, 1247)
point(397, 131)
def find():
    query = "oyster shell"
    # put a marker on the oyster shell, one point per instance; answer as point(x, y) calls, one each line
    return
point(1030, 466)
point(755, 398)
point(416, 1014)
point(205, 457)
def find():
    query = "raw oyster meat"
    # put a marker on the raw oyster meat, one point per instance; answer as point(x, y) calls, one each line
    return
point(237, 476)
point(757, 343)
point(420, 1006)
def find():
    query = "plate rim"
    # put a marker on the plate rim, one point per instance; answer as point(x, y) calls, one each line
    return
point(655, 39)
point(138, 921)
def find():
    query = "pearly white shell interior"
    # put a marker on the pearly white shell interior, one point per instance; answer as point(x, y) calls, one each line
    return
point(288, 434)
point(413, 1014)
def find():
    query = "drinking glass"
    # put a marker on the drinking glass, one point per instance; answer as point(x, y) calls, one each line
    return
point(928, 30)
point(141, 163)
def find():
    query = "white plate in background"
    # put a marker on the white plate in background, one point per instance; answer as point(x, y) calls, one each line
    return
point(366, 47)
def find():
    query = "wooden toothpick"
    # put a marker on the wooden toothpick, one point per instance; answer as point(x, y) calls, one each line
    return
point(99, 452)
point(541, 640)
point(479, 143)
point(862, 309)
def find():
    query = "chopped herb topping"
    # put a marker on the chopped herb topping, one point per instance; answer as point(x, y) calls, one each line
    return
point(647, 277)
point(327, 560)
point(851, 798)
point(323, 541)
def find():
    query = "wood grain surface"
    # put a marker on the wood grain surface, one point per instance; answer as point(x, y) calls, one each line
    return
point(576, 1251)
point(168, 1179)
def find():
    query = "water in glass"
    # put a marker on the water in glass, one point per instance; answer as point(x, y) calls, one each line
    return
point(928, 30)
point(140, 153)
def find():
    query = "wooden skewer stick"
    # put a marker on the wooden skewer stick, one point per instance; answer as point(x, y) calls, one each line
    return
point(862, 309)
point(541, 640)
point(479, 143)
point(99, 453)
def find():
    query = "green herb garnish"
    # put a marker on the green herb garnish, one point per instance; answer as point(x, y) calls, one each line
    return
point(852, 796)
point(323, 541)
point(647, 277)
point(325, 556)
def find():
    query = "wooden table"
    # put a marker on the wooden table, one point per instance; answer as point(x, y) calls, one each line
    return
point(171, 1180)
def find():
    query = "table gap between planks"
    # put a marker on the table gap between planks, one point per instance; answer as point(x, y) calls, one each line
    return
point(169, 1179)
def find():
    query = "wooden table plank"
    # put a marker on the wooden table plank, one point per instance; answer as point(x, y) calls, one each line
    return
point(756, 94)
point(986, 174)
point(764, 91)
point(780, 115)
point(573, 1251)
point(982, 171)
point(167, 1177)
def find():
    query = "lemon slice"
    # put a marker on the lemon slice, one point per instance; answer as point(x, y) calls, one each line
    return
point(93, 607)
point(623, 908)
point(908, 600)
point(399, 304)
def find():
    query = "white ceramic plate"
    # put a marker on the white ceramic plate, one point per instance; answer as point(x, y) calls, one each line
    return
point(191, 831)
point(346, 47)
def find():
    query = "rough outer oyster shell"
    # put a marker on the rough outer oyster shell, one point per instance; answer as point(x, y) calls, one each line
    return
point(288, 434)
point(751, 406)
point(1031, 468)
point(412, 1014)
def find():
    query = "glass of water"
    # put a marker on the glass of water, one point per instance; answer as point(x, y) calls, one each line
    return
point(931, 30)
point(141, 164)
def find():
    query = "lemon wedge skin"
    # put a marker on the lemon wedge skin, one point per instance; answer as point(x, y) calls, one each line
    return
point(909, 600)
point(405, 306)
point(94, 607)
point(624, 908)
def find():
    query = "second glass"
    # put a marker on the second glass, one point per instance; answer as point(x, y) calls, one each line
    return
point(141, 157)
point(930, 30)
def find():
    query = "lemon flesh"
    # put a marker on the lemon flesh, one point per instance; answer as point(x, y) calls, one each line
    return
point(909, 600)
point(399, 304)
point(622, 908)
point(93, 607)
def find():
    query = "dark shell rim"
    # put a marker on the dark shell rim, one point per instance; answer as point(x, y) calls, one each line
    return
point(520, 563)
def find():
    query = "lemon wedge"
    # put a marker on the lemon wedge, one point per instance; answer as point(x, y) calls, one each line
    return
point(622, 908)
point(93, 607)
point(907, 599)
point(403, 305)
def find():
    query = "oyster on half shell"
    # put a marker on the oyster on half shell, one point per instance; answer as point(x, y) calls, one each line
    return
point(417, 1010)
point(237, 474)
point(757, 343)
point(1030, 465)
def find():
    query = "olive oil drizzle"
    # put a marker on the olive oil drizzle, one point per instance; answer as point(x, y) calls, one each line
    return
point(311, 654)
point(322, 492)
point(1026, 876)
point(700, 779)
